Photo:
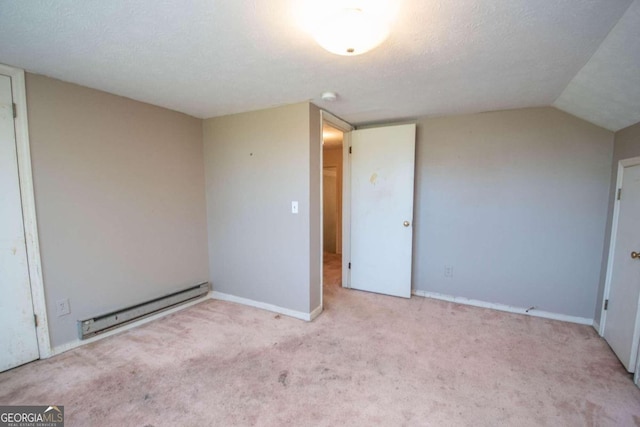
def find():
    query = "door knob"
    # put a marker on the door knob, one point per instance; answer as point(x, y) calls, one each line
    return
point(407, 223)
point(635, 255)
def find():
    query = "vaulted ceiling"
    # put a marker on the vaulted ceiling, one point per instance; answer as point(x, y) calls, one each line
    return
point(214, 57)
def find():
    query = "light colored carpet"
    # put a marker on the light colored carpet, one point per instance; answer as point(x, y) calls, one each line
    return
point(367, 360)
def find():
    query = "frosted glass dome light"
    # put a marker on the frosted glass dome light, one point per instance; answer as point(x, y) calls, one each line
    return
point(351, 31)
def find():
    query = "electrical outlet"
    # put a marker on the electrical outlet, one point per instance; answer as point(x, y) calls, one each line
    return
point(448, 271)
point(62, 307)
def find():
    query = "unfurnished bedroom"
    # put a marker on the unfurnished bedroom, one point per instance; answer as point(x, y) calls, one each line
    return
point(376, 213)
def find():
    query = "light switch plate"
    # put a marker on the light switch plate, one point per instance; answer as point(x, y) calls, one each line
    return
point(294, 207)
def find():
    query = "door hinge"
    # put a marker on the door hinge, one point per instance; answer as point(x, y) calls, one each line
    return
point(35, 319)
point(349, 150)
point(349, 266)
point(619, 193)
point(15, 110)
point(606, 304)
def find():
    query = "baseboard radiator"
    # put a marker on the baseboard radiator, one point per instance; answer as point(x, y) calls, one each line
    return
point(106, 322)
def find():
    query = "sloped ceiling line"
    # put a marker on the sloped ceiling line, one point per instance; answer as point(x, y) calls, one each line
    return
point(606, 91)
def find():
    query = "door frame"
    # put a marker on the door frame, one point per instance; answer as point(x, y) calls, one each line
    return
point(345, 127)
point(622, 164)
point(636, 375)
point(21, 124)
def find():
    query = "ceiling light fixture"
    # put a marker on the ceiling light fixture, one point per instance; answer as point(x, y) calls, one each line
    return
point(347, 27)
point(351, 31)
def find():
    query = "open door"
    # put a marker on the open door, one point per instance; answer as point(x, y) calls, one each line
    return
point(18, 338)
point(381, 223)
point(622, 315)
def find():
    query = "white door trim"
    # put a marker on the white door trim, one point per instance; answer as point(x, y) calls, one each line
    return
point(634, 161)
point(345, 127)
point(346, 209)
point(29, 207)
point(636, 375)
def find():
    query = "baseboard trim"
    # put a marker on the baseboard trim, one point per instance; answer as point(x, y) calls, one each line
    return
point(264, 306)
point(504, 307)
point(596, 326)
point(78, 343)
point(316, 312)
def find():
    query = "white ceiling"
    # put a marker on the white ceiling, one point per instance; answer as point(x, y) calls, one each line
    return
point(607, 90)
point(214, 57)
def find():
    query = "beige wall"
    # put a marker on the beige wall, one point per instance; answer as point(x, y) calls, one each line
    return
point(257, 163)
point(119, 191)
point(329, 209)
point(332, 157)
point(626, 145)
point(516, 202)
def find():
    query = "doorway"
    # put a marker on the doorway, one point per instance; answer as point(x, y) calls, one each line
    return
point(374, 194)
point(332, 197)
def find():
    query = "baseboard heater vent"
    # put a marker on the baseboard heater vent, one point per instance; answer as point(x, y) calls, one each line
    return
point(106, 322)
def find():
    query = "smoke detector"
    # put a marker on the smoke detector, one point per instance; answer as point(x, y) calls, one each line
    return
point(329, 96)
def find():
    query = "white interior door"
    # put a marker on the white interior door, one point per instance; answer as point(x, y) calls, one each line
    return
point(382, 170)
point(18, 340)
point(621, 326)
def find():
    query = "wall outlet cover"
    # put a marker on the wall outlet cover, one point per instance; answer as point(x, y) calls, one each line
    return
point(62, 307)
point(448, 271)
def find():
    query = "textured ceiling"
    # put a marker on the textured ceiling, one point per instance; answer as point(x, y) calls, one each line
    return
point(607, 90)
point(213, 57)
